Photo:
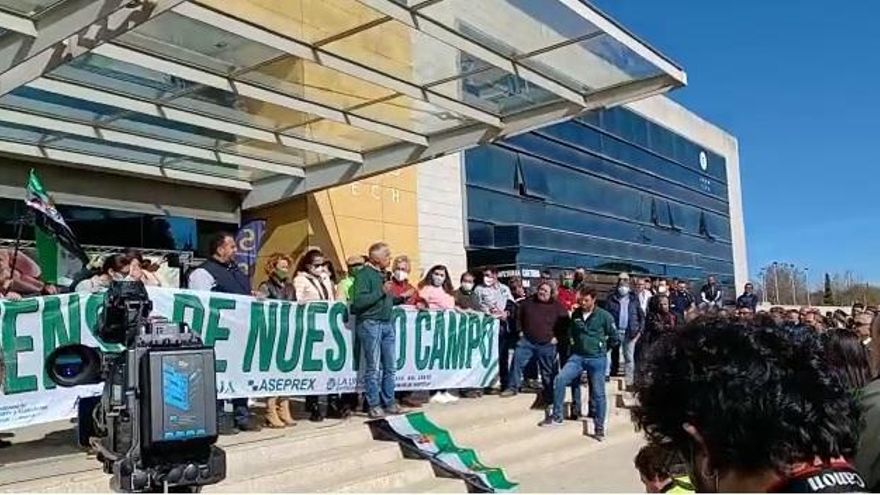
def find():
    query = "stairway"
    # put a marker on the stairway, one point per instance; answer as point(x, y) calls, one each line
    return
point(341, 456)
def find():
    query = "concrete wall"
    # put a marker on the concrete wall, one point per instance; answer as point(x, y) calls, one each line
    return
point(441, 214)
point(675, 117)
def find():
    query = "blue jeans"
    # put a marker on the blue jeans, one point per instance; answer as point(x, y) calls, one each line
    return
point(629, 360)
point(546, 357)
point(378, 348)
point(595, 368)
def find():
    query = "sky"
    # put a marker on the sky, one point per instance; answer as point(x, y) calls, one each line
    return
point(797, 83)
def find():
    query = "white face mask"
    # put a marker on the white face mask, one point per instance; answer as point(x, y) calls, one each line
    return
point(400, 275)
point(623, 290)
point(438, 280)
point(489, 280)
point(467, 286)
point(661, 289)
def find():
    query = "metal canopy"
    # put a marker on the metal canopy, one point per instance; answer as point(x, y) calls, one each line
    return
point(276, 99)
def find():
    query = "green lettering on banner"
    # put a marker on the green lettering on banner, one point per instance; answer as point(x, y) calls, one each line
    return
point(456, 333)
point(287, 362)
point(438, 349)
point(474, 333)
point(398, 323)
point(487, 340)
point(263, 333)
point(423, 355)
point(215, 332)
point(55, 332)
point(184, 303)
point(338, 316)
point(14, 344)
point(313, 335)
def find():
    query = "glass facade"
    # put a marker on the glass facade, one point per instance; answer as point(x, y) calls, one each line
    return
point(609, 191)
point(103, 227)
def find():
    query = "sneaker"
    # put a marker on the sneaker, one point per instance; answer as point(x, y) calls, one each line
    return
point(376, 413)
point(439, 398)
point(508, 393)
point(393, 409)
point(550, 422)
point(599, 436)
point(450, 397)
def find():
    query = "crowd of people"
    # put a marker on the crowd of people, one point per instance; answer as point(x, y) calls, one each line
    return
point(730, 397)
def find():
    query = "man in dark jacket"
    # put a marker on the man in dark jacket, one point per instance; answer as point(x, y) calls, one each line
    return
point(220, 273)
point(681, 301)
point(592, 332)
point(542, 321)
point(748, 299)
point(624, 307)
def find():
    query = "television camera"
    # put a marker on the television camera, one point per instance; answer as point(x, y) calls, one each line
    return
point(155, 424)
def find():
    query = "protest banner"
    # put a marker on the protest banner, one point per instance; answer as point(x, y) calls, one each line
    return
point(263, 347)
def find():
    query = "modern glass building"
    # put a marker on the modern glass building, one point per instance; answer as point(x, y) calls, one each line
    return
point(610, 191)
point(343, 122)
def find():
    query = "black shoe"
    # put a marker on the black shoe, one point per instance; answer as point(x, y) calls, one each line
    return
point(226, 424)
point(574, 414)
point(599, 436)
point(539, 404)
point(250, 423)
point(376, 413)
point(508, 393)
point(316, 416)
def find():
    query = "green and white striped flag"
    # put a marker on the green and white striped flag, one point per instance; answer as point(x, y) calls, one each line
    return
point(56, 242)
point(436, 444)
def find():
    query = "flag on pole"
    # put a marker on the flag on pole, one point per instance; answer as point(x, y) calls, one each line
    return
point(49, 221)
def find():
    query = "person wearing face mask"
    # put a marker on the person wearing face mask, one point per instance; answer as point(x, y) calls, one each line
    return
point(496, 299)
point(278, 286)
point(465, 297)
point(624, 306)
point(345, 288)
point(312, 284)
point(116, 268)
point(436, 289)
point(400, 287)
point(437, 293)
point(751, 410)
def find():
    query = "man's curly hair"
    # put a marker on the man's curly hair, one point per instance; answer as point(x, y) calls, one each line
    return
point(761, 398)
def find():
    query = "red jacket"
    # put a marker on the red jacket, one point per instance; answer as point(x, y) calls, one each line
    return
point(400, 288)
point(567, 298)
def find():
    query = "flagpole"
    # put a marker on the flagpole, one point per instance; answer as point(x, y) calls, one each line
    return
point(18, 233)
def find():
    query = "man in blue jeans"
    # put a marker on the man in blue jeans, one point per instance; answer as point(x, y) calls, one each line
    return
point(592, 332)
point(542, 321)
point(371, 305)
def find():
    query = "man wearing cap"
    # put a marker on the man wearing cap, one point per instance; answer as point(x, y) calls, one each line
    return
point(623, 304)
point(346, 285)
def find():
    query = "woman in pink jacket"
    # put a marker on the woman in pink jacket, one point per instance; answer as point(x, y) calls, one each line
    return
point(437, 292)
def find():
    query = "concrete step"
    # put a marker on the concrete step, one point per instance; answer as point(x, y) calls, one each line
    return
point(434, 485)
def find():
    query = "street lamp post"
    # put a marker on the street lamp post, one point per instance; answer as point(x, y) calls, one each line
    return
point(807, 283)
point(763, 275)
point(776, 281)
point(791, 275)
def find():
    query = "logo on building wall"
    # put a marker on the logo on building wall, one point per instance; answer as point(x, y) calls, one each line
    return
point(704, 160)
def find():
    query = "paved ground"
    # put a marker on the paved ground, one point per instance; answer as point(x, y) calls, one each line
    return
point(608, 470)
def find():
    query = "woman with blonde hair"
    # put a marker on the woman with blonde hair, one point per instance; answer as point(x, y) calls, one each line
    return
point(278, 286)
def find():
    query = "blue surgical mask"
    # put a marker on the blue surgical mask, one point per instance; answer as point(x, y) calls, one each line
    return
point(623, 290)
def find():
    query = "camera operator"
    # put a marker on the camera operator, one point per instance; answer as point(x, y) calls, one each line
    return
point(219, 273)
